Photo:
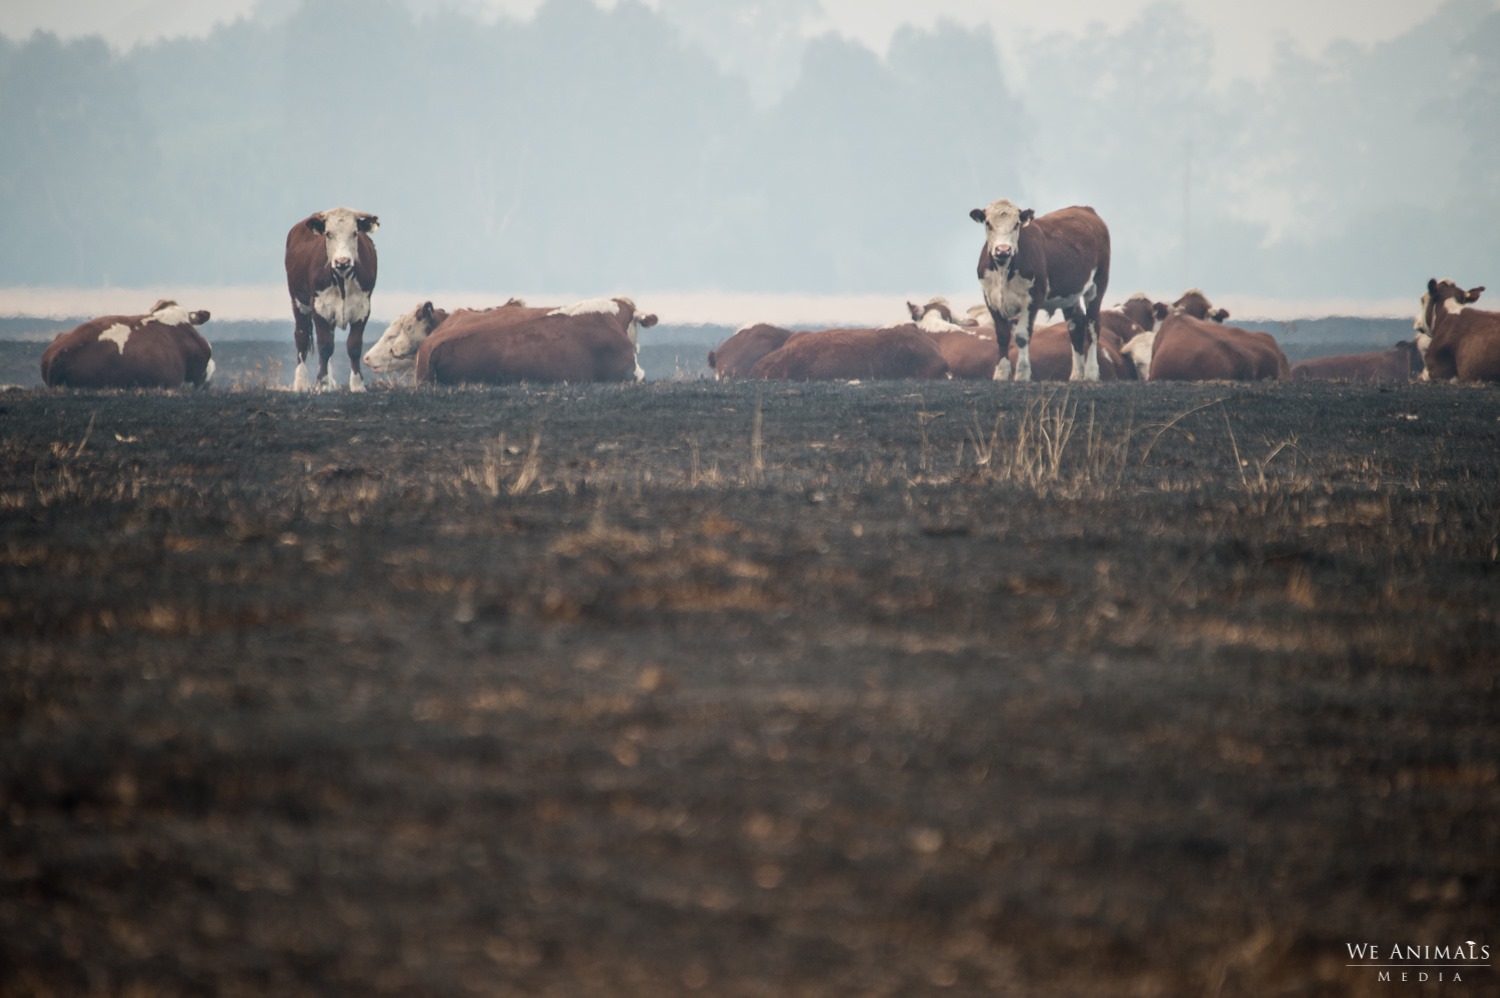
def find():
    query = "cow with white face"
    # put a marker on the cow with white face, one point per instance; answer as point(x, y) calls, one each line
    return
point(1463, 342)
point(1029, 265)
point(330, 273)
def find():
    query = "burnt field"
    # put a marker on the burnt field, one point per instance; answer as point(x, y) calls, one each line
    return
point(747, 689)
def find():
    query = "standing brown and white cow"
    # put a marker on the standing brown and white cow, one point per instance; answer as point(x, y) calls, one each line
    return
point(330, 272)
point(160, 349)
point(1463, 342)
point(1029, 265)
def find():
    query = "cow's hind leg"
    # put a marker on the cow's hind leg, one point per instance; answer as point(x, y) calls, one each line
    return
point(1083, 332)
point(302, 334)
point(355, 346)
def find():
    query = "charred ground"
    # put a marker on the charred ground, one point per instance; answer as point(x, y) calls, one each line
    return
point(746, 689)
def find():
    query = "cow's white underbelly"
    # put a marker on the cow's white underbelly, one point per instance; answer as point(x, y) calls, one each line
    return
point(341, 309)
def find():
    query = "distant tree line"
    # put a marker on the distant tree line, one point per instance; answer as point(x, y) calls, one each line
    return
point(599, 149)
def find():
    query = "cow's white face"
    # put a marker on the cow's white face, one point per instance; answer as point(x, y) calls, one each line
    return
point(1002, 221)
point(340, 229)
point(1139, 351)
point(396, 350)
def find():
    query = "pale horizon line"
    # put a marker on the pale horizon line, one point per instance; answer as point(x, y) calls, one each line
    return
point(269, 302)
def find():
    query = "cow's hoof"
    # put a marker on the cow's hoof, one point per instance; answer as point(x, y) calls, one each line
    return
point(326, 384)
point(300, 381)
point(1002, 370)
point(356, 383)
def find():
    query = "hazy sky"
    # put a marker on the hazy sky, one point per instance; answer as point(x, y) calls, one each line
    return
point(1245, 33)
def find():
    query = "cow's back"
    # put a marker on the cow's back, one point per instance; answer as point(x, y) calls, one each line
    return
point(850, 354)
point(510, 348)
point(1077, 248)
point(1382, 365)
point(1188, 349)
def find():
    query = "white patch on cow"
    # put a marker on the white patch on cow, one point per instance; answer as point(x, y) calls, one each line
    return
point(302, 380)
point(640, 372)
point(590, 306)
point(1452, 306)
point(342, 309)
point(356, 383)
point(933, 322)
point(326, 383)
point(1002, 370)
point(208, 374)
point(118, 334)
point(1006, 293)
point(171, 314)
point(1139, 350)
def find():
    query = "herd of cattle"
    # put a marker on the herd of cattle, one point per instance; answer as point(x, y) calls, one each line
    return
point(1028, 265)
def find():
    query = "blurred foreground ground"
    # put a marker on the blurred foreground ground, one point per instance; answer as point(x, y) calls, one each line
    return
point(747, 689)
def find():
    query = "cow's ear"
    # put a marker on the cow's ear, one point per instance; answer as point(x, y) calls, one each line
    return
point(648, 320)
point(977, 214)
point(425, 312)
point(315, 222)
point(916, 313)
point(1432, 285)
point(1473, 294)
point(1027, 214)
point(367, 223)
point(1160, 309)
point(1219, 314)
point(199, 317)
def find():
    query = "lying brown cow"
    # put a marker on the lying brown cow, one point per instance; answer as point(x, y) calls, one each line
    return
point(595, 340)
point(160, 349)
point(1189, 349)
point(1465, 341)
point(1402, 362)
point(396, 350)
point(890, 352)
point(737, 355)
point(969, 349)
point(1052, 354)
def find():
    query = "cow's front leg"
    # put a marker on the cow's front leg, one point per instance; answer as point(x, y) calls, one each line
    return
point(1023, 345)
point(1084, 335)
point(1002, 340)
point(324, 330)
point(302, 335)
point(355, 345)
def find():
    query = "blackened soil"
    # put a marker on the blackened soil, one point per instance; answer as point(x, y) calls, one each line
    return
point(746, 689)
